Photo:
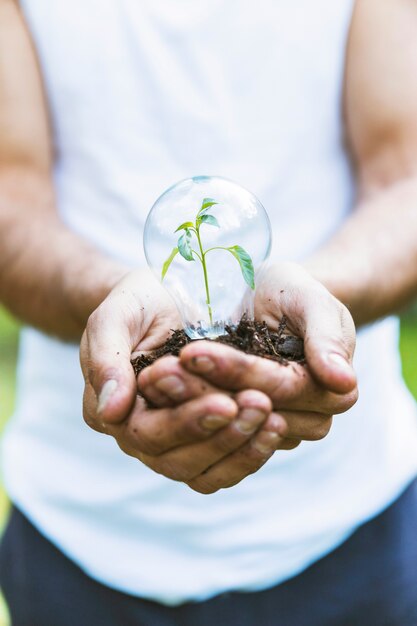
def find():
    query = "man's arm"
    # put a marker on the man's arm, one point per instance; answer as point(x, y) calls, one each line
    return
point(370, 265)
point(49, 276)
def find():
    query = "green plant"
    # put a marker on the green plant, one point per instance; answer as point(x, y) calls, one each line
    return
point(186, 250)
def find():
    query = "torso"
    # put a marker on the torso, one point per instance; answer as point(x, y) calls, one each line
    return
point(143, 94)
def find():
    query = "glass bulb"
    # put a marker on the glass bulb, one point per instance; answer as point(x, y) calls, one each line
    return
point(204, 238)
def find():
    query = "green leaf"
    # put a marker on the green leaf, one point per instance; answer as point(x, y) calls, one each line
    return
point(245, 263)
point(206, 204)
point(184, 226)
point(168, 262)
point(209, 219)
point(184, 246)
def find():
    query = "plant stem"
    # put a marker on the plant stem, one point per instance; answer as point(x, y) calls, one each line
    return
point(216, 248)
point(203, 263)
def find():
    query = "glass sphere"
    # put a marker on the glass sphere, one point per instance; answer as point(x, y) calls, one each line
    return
point(205, 237)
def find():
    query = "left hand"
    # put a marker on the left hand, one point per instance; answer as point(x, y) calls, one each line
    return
point(304, 399)
point(326, 386)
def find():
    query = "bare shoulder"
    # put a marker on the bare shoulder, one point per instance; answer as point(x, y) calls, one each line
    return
point(380, 96)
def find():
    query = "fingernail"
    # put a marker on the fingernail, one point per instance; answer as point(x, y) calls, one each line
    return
point(249, 420)
point(172, 386)
point(340, 362)
point(214, 422)
point(106, 393)
point(202, 364)
point(266, 442)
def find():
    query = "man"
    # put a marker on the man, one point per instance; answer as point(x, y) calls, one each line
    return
point(141, 95)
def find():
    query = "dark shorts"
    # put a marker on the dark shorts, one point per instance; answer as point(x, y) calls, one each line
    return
point(371, 580)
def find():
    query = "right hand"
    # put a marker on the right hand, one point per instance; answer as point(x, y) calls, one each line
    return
point(137, 315)
point(180, 442)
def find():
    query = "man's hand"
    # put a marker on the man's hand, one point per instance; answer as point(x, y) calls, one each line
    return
point(304, 398)
point(179, 442)
point(136, 315)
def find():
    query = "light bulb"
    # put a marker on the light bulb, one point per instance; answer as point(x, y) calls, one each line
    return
point(204, 238)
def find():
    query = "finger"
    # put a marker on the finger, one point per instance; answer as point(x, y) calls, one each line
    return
point(274, 424)
point(105, 360)
point(329, 343)
point(229, 368)
point(301, 425)
point(290, 387)
point(167, 383)
point(237, 466)
point(185, 462)
point(314, 314)
point(90, 408)
point(247, 460)
point(155, 431)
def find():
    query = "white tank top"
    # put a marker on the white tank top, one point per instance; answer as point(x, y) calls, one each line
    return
point(142, 94)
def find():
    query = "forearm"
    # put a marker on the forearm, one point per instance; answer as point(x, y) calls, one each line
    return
point(370, 264)
point(50, 277)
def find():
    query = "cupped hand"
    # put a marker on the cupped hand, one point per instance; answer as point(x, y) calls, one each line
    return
point(137, 315)
point(194, 442)
point(304, 398)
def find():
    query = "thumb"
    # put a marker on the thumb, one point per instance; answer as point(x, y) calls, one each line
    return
point(329, 344)
point(105, 354)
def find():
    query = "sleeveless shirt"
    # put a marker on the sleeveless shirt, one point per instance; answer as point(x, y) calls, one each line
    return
point(142, 94)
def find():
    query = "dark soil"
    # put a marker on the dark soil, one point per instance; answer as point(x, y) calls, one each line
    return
point(248, 336)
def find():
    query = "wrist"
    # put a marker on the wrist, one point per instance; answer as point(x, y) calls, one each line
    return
point(86, 290)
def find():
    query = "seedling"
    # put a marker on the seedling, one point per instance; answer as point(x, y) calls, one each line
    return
point(191, 239)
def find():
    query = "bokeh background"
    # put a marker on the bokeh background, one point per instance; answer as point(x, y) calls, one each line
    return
point(9, 330)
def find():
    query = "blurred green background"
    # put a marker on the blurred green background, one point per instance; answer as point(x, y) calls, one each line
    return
point(8, 350)
point(8, 353)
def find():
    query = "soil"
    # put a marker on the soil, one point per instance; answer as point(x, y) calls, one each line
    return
point(249, 336)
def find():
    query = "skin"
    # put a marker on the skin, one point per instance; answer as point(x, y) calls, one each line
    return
point(65, 285)
point(256, 407)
